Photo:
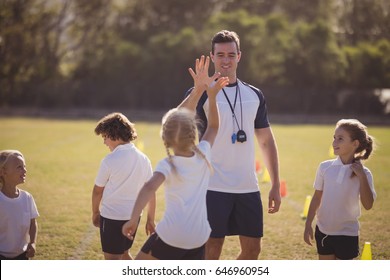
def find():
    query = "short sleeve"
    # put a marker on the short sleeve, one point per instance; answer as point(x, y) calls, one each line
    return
point(103, 175)
point(319, 180)
point(163, 167)
point(370, 181)
point(261, 120)
point(33, 207)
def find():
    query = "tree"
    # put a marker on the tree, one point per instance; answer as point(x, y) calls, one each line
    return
point(315, 60)
point(364, 20)
point(38, 36)
point(368, 65)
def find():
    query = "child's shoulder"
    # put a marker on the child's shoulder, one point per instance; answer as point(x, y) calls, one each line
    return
point(140, 152)
point(25, 193)
point(366, 169)
point(327, 163)
point(323, 166)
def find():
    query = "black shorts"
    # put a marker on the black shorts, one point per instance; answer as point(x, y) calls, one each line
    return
point(162, 251)
point(342, 246)
point(111, 237)
point(235, 214)
point(22, 256)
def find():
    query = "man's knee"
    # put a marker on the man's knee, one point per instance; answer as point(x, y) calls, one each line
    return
point(250, 248)
point(249, 254)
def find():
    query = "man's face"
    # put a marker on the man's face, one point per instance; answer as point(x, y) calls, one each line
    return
point(226, 58)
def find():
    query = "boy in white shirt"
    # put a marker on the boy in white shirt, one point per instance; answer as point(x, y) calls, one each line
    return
point(121, 175)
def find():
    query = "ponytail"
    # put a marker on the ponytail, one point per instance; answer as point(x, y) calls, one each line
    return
point(199, 152)
point(365, 148)
point(170, 161)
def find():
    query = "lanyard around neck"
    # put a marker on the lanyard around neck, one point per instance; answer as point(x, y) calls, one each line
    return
point(238, 92)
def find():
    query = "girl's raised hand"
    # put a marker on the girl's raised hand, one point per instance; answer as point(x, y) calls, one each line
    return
point(357, 168)
point(217, 86)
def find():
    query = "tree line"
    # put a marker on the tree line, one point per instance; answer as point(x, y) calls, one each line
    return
point(308, 56)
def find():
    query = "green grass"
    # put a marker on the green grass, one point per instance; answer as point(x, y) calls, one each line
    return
point(63, 157)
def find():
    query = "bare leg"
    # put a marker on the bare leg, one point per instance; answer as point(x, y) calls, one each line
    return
point(126, 255)
point(214, 248)
point(250, 248)
point(109, 256)
point(326, 257)
point(143, 256)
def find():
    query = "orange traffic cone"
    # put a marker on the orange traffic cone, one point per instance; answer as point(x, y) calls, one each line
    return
point(283, 188)
point(258, 166)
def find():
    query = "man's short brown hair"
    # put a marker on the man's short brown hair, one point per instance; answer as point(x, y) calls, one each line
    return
point(225, 36)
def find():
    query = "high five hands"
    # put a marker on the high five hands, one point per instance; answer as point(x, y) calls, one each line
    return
point(202, 80)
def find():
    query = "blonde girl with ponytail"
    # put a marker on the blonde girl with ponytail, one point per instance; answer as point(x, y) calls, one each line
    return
point(184, 228)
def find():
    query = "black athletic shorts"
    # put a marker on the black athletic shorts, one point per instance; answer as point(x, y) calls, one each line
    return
point(342, 246)
point(235, 214)
point(22, 256)
point(111, 237)
point(162, 251)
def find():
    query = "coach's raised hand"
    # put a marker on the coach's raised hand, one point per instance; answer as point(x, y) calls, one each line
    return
point(201, 77)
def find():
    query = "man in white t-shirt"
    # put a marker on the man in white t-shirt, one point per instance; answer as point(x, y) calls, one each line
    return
point(233, 200)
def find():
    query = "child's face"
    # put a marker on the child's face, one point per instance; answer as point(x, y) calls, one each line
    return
point(111, 144)
point(343, 145)
point(15, 171)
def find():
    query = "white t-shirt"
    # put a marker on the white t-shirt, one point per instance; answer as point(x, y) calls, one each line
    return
point(234, 164)
point(184, 224)
point(15, 219)
point(339, 211)
point(122, 173)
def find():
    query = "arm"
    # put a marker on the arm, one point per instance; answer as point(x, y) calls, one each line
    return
point(97, 195)
point(213, 115)
point(150, 224)
point(145, 195)
point(191, 100)
point(33, 232)
point(366, 195)
point(308, 235)
point(267, 144)
point(201, 83)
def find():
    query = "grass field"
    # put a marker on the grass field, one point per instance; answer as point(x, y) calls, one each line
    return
point(63, 158)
